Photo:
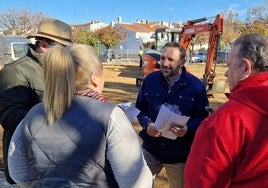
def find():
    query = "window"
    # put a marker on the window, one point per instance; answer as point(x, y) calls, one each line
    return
point(20, 50)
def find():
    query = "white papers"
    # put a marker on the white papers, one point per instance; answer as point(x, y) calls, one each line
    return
point(130, 110)
point(164, 120)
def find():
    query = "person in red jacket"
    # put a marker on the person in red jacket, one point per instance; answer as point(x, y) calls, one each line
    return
point(230, 148)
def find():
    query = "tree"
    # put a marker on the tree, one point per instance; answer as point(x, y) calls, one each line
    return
point(84, 36)
point(257, 19)
point(256, 27)
point(258, 13)
point(200, 39)
point(19, 22)
point(232, 26)
point(110, 36)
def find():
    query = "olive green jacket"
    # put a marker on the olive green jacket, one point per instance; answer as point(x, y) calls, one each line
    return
point(21, 87)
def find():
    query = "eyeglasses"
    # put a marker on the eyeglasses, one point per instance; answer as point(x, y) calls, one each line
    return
point(49, 43)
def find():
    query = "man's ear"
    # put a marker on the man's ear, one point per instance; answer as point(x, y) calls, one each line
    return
point(249, 69)
point(43, 44)
point(183, 61)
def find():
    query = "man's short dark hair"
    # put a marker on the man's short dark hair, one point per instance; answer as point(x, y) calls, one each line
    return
point(177, 45)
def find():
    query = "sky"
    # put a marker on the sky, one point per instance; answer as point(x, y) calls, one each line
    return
point(84, 11)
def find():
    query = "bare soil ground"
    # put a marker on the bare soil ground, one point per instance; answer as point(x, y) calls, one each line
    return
point(120, 86)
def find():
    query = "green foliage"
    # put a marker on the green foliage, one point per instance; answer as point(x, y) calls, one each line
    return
point(110, 36)
point(257, 19)
point(256, 27)
point(256, 22)
point(85, 37)
point(232, 26)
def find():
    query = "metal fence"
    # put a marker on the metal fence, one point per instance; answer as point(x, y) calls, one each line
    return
point(119, 55)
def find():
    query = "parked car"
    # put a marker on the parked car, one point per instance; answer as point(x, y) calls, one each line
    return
point(222, 56)
point(199, 57)
point(12, 48)
point(195, 59)
point(202, 56)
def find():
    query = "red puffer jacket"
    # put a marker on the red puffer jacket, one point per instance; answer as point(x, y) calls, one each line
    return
point(231, 146)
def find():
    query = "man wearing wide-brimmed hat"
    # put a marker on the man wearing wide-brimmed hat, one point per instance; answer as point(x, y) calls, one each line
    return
point(21, 84)
point(52, 30)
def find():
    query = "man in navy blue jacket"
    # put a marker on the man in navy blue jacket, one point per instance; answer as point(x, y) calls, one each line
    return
point(182, 93)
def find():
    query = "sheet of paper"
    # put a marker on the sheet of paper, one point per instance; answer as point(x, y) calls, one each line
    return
point(164, 120)
point(130, 110)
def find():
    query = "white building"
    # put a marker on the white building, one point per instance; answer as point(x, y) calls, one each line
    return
point(92, 26)
point(137, 34)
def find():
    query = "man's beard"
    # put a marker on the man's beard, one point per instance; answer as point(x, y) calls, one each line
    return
point(176, 72)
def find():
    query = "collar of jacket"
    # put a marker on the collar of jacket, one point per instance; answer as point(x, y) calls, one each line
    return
point(32, 54)
point(252, 92)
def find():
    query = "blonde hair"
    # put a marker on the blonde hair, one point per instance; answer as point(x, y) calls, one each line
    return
point(59, 82)
point(87, 62)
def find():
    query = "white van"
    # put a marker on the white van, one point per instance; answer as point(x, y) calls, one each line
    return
point(12, 48)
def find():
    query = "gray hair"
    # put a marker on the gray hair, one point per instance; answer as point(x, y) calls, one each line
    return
point(255, 48)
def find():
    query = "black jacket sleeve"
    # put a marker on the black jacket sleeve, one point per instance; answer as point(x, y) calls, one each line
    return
point(16, 97)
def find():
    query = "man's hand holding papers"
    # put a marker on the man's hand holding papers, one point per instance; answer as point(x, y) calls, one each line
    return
point(170, 124)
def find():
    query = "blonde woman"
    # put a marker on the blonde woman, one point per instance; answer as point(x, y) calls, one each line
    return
point(73, 138)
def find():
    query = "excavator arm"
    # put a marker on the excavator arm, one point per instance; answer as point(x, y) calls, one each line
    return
point(215, 29)
point(214, 42)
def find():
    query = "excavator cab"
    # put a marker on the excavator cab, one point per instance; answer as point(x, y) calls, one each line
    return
point(164, 35)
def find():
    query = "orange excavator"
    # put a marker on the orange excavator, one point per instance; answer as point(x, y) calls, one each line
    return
point(184, 36)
